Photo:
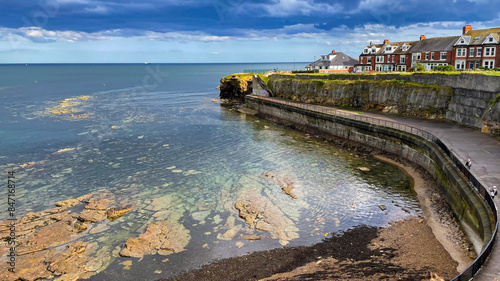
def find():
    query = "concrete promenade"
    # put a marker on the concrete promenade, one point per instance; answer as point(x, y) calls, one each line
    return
point(482, 149)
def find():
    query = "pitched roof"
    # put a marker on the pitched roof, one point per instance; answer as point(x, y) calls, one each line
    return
point(380, 46)
point(477, 37)
point(399, 51)
point(339, 59)
point(437, 44)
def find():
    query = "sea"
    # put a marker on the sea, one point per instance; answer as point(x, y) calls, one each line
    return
point(148, 132)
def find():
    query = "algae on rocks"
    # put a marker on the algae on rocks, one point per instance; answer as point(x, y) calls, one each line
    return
point(393, 96)
point(236, 86)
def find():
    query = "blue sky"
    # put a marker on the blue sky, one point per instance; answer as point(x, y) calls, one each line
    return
point(191, 31)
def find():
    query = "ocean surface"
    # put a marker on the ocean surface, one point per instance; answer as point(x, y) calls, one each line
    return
point(141, 132)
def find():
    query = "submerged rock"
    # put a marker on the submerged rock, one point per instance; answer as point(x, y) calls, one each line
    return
point(258, 210)
point(162, 238)
point(114, 214)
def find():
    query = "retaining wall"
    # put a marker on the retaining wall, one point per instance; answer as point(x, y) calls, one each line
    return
point(466, 203)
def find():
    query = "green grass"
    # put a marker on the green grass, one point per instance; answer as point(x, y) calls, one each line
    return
point(476, 72)
point(344, 82)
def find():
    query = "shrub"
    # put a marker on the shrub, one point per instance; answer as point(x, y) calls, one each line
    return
point(411, 69)
point(305, 71)
point(419, 67)
point(444, 68)
point(481, 68)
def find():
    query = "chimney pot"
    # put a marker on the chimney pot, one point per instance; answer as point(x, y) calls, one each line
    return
point(422, 37)
point(371, 43)
point(333, 51)
point(386, 41)
point(466, 28)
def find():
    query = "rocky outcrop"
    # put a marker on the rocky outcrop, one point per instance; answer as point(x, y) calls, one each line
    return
point(235, 87)
point(48, 242)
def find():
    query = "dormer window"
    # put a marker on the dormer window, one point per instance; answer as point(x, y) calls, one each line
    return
point(365, 51)
point(490, 39)
point(388, 49)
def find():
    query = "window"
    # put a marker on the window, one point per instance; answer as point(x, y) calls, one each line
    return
point(489, 51)
point(374, 50)
point(478, 52)
point(443, 55)
point(379, 59)
point(393, 58)
point(477, 64)
point(402, 59)
point(460, 64)
point(471, 65)
point(488, 63)
point(427, 56)
point(388, 49)
point(490, 39)
point(370, 60)
point(471, 52)
point(432, 56)
point(365, 51)
point(461, 52)
point(416, 57)
point(462, 41)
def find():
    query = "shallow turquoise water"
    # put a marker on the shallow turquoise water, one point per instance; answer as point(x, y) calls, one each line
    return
point(136, 126)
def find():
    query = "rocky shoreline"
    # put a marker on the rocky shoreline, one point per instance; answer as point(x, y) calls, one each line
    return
point(413, 249)
point(361, 253)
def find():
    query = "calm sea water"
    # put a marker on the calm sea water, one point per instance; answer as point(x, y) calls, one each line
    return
point(141, 120)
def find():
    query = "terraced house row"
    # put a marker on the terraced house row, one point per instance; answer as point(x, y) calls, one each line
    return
point(471, 50)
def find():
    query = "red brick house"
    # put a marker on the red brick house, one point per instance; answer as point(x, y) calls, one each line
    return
point(394, 56)
point(477, 48)
point(367, 57)
point(432, 52)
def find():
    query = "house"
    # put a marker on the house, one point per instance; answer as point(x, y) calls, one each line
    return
point(477, 48)
point(367, 57)
point(394, 56)
point(433, 51)
point(333, 62)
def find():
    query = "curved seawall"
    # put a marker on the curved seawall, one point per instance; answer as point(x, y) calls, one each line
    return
point(469, 206)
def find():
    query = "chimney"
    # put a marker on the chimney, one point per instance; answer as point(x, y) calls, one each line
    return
point(466, 29)
point(386, 41)
point(422, 37)
point(333, 51)
point(371, 43)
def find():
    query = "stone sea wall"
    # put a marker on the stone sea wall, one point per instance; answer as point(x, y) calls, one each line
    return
point(468, 99)
point(466, 203)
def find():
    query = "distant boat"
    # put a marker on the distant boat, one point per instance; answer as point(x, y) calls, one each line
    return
point(147, 62)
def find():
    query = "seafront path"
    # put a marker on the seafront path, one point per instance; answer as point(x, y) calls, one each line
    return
point(465, 143)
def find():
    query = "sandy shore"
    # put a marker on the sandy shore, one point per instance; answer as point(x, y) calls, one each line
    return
point(444, 227)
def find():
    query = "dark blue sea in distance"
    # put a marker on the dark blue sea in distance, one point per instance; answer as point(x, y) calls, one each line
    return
point(152, 136)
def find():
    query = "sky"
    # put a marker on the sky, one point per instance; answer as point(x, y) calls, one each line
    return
point(226, 31)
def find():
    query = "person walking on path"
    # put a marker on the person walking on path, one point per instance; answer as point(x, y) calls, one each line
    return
point(493, 191)
point(468, 164)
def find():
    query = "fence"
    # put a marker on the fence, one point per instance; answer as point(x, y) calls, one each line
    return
point(257, 70)
point(469, 272)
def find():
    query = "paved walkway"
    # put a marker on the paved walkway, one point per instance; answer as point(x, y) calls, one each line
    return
point(482, 149)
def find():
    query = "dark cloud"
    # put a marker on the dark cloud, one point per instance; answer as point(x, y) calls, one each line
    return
point(225, 17)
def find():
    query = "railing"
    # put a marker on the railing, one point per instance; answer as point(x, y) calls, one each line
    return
point(472, 269)
point(257, 70)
